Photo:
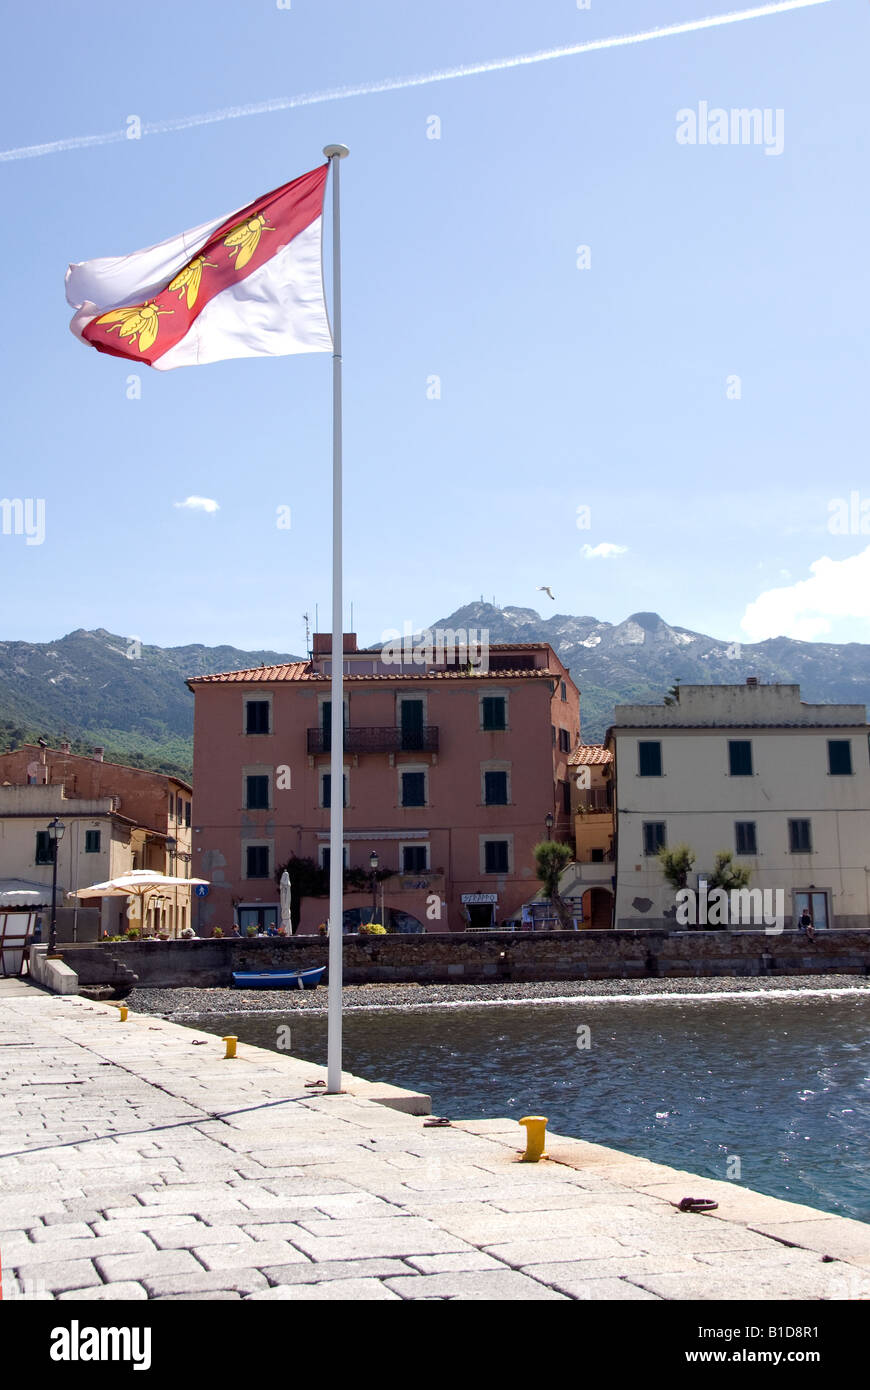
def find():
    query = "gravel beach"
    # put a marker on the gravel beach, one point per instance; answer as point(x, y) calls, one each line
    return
point(176, 1003)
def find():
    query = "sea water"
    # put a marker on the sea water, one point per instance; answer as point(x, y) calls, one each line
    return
point(770, 1092)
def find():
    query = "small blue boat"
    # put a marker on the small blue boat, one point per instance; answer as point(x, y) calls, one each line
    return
point(278, 979)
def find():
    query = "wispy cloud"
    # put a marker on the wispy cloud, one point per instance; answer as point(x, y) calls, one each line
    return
point(198, 504)
point(605, 551)
point(399, 84)
point(837, 589)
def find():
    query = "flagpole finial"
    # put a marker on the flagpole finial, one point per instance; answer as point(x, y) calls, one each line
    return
point(336, 151)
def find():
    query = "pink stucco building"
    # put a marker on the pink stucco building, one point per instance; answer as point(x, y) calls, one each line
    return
point(451, 769)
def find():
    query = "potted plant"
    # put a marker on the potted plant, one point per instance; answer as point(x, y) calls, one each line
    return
point(218, 932)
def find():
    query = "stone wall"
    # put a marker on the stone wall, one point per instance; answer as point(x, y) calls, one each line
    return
point(484, 956)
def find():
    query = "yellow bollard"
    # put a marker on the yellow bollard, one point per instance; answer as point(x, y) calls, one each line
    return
point(231, 1047)
point(122, 1010)
point(535, 1133)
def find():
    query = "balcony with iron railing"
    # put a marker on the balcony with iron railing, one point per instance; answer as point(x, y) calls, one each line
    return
point(594, 802)
point(378, 740)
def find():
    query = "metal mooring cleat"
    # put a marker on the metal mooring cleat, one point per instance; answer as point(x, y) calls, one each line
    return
point(535, 1134)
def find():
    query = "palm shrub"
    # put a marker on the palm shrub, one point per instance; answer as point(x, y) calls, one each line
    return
point(552, 857)
point(676, 864)
point(726, 874)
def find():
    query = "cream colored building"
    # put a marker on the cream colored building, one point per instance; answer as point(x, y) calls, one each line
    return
point(98, 843)
point(748, 768)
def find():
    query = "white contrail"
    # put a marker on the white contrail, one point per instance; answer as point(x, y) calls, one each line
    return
point(398, 84)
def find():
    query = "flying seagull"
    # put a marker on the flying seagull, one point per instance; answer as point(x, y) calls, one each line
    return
point(545, 589)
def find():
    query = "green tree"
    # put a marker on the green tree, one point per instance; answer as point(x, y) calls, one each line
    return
point(726, 874)
point(551, 859)
point(677, 864)
point(308, 880)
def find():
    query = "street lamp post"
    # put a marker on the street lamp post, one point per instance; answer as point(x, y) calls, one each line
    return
point(549, 824)
point(373, 864)
point(56, 830)
point(172, 850)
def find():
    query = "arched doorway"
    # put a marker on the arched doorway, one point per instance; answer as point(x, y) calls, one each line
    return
point(597, 908)
point(392, 918)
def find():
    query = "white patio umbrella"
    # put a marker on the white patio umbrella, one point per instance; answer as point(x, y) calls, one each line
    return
point(136, 884)
point(286, 891)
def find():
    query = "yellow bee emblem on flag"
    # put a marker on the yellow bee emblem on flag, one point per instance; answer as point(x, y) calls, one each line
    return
point(137, 321)
point(244, 239)
point(189, 279)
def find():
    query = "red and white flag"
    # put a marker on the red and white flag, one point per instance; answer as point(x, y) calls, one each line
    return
point(246, 285)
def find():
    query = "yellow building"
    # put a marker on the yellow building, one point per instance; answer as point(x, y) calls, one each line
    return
point(590, 877)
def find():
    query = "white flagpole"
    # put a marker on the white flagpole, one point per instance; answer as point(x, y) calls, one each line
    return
point(334, 154)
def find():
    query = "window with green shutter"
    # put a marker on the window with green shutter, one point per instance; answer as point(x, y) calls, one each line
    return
point(257, 717)
point(257, 793)
point(649, 755)
point(257, 861)
point(495, 788)
point(739, 757)
point(496, 856)
point(839, 757)
point(653, 837)
point(413, 789)
point(494, 712)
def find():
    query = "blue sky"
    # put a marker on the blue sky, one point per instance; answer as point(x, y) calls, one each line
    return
point(609, 387)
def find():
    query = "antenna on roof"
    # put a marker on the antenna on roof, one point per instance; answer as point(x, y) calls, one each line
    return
point(307, 634)
point(351, 615)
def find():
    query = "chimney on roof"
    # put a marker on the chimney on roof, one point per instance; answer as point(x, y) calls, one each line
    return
point(98, 754)
point(752, 680)
point(323, 643)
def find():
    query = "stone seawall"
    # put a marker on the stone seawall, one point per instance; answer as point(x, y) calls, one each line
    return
point(483, 956)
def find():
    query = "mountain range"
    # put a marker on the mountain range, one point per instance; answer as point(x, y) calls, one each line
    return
point(99, 689)
point(639, 659)
point(96, 688)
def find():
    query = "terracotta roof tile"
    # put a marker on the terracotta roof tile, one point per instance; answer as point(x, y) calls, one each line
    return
point(302, 671)
point(586, 753)
point(287, 671)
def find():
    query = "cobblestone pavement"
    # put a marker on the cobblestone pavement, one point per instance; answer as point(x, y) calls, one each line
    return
point(137, 1163)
